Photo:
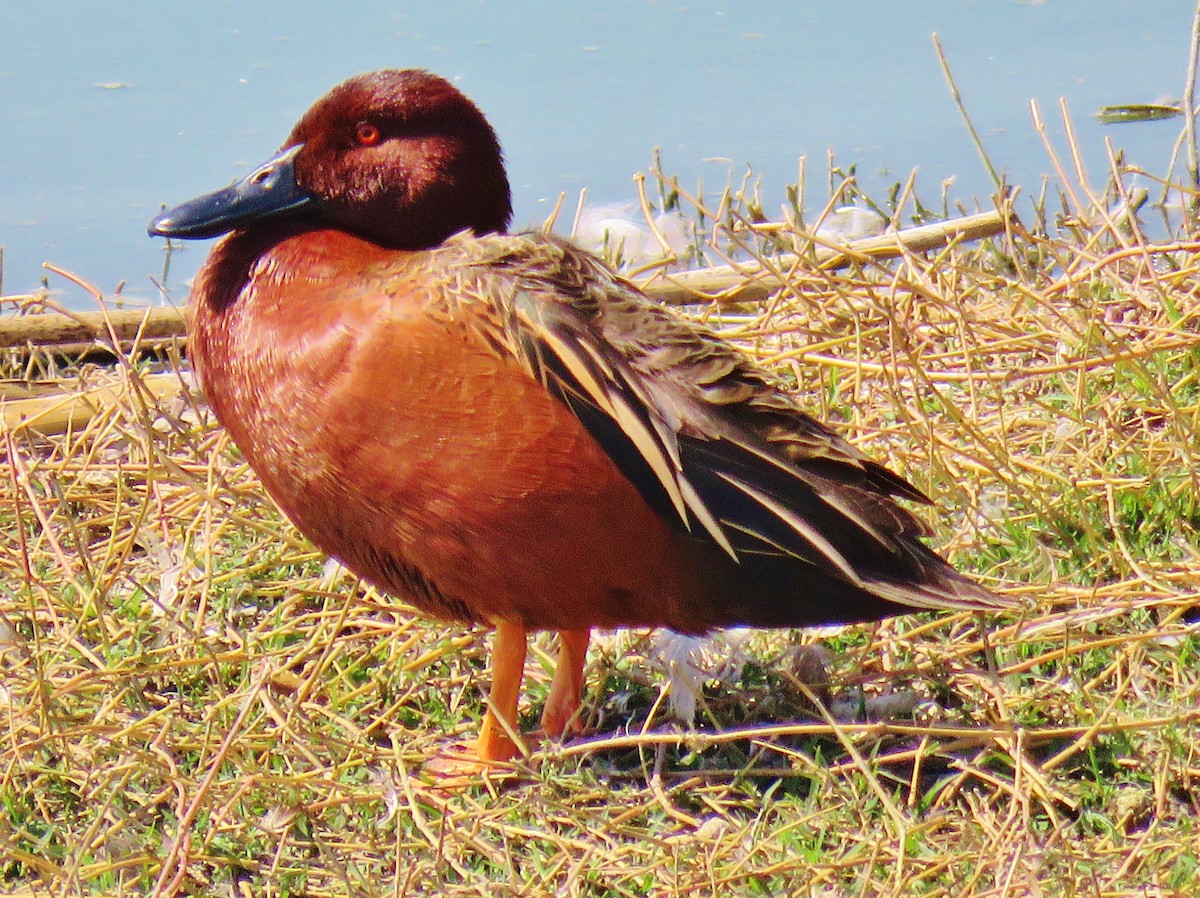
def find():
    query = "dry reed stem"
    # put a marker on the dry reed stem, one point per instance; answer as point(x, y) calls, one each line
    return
point(73, 330)
point(193, 703)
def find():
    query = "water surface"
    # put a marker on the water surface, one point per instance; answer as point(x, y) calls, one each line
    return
point(109, 111)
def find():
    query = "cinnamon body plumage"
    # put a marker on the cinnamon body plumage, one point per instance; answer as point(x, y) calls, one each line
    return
point(497, 428)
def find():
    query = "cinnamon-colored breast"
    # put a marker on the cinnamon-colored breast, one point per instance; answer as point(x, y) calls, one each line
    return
point(401, 443)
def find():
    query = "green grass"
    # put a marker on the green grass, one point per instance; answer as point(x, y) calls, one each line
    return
point(191, 705)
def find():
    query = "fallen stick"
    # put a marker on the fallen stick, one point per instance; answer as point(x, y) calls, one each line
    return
point(66, 410)
point(754, 282)
point(58, 329)
point(751, 282)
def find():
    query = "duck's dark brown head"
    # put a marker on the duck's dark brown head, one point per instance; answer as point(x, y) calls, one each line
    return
point(398, 157)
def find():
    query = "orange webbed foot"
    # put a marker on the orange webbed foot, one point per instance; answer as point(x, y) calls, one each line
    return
point(464, 764)
point(460, 765)
point(498, 742)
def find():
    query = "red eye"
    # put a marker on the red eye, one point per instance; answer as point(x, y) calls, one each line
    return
point(367, 134)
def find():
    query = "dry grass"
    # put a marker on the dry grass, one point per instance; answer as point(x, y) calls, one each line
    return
point(192, 703)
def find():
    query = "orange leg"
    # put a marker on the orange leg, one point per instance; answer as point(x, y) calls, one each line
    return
point(508, 668)
point(566, 689)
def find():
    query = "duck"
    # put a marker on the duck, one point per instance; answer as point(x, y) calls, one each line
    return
point(499, 430)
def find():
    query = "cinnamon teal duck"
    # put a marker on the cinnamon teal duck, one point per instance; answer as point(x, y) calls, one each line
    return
point(501, 431)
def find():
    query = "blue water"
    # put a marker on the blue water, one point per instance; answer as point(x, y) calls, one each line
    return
point(109, 110)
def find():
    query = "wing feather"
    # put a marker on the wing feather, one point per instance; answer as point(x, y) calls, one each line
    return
point(711, 440)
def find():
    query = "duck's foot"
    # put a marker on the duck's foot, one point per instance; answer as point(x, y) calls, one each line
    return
point(459, 765)
point(560, 716)
point(491, 756)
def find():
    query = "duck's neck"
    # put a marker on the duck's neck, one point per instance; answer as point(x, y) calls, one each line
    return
point(230, 265)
